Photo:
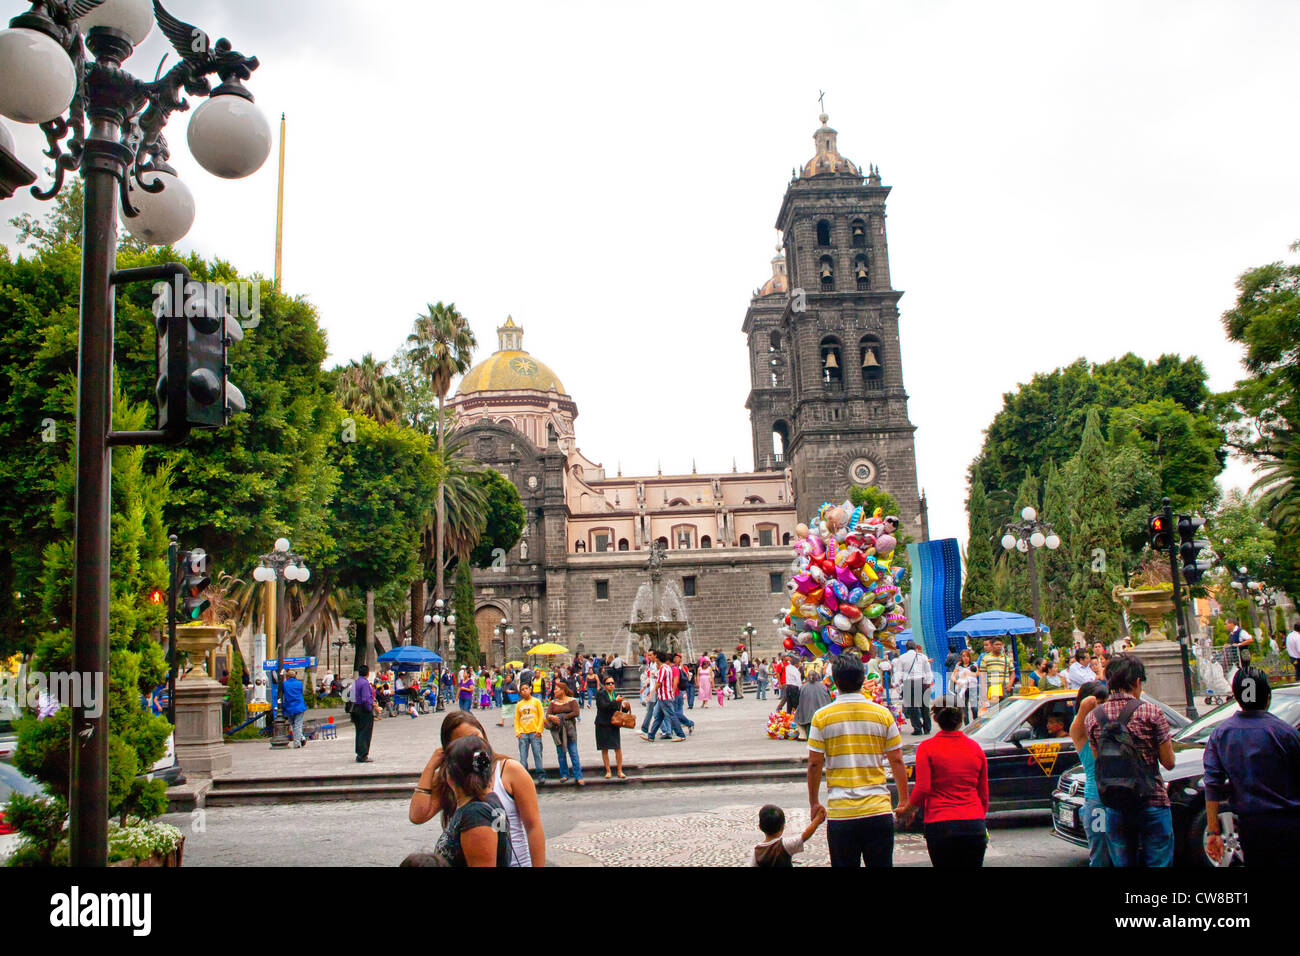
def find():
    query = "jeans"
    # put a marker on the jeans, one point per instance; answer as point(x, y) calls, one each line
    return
point(866, 840)
point(682, 719)
point(762, 688)
point(365, 724)
point(531, 742)
point(1141, 838)
point(295, 721)
point(572, 766)
point(590, 699)
point(665, 712)
point(690, 696)
point(1092, 817)
point(496, 696)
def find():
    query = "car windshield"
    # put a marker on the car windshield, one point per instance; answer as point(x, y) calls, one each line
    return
point(1285, 707)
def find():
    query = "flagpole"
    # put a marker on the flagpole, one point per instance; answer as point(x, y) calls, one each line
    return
point(279, 213)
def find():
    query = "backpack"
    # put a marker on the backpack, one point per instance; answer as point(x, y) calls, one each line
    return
point(1122, 779)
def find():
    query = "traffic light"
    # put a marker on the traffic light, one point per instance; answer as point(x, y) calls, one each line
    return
point(1159, 533)
point(195, 330)
point(1190, 547)
point(194, 583)
point(156, 596)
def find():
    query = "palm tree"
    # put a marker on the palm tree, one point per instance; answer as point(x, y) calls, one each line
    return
point(366, 387)
point(1279, 481)
point(442, 347)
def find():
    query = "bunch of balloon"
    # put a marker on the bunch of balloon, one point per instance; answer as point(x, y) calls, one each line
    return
point(781, 726)
point(845, 592)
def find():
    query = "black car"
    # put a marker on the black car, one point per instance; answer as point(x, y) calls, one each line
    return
point(1027, 742)
point(1186, 787)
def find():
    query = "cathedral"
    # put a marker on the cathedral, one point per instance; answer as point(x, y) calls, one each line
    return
point(828, 411)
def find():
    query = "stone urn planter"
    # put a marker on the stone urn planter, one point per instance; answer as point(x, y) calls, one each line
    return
point(197, 641)
point(1149, 604)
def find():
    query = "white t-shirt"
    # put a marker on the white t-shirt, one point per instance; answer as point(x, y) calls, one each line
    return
point(793, 676)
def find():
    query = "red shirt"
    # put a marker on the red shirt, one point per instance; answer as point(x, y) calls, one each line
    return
point(952, 778)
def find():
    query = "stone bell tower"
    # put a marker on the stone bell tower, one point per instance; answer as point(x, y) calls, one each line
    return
point(825, 362)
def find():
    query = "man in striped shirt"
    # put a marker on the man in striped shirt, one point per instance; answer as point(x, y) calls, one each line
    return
point(666, 702)
point(851, 738)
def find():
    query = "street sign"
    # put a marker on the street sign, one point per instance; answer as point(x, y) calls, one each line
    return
point(289, 663)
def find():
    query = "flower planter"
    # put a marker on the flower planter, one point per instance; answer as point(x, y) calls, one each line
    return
point(158, 859)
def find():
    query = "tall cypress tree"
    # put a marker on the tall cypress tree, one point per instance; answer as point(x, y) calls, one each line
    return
point(468, 649)
point(1058, 612)
point(1096, 540)
point(977, 591)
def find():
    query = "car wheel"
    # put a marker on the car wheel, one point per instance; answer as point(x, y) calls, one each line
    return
point(1197, 838)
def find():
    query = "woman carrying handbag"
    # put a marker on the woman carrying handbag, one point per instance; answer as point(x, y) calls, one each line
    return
point(612, 714)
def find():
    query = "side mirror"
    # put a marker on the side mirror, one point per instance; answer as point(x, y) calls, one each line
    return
point(1019, 734)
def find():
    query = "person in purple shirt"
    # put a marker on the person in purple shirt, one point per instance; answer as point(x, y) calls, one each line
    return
point(363, 713)
point(1252, 761)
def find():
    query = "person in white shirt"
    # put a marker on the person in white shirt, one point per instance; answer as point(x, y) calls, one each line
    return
point(793, 678)
point(1293, 648)
point(914, 678)
point(1079, 671)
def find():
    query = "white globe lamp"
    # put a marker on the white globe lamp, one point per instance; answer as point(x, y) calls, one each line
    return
point(1037, 539)
point(1008, 542)
point(1028, 513)
point(1053, 542)
point(230, 136)
point(282, 545)
point(164, 217)
point(37, 80)
point(133, 18)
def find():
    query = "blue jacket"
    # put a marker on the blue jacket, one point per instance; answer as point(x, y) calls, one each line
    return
point(293, 702)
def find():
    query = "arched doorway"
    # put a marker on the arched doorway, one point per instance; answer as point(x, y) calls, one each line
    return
point(486, 619)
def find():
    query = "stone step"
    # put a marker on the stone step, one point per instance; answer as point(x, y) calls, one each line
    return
point(246, 796)
point(240, 790)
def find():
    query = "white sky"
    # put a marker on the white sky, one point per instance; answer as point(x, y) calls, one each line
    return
point(1068, 181)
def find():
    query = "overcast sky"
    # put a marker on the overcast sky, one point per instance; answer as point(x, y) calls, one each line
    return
point(1068, 180)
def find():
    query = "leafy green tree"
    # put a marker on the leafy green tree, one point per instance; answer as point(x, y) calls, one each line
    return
point(977, 590)
point(1096, 537)
point(137, 739)
point(441, 347)
point(468, 649)
point(1058, 566)
point(1187, 449)
point(504, 514)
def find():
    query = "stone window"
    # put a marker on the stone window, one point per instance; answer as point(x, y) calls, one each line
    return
point(580, 546)
point(662, 542)
point(744, 541)
point(622, 544)
point(706, 542)
point(862, 272)
point(602, 590)
point(601, 541)
point(785, 538)
point(683, 536)
point(775, 584)
point(688, 585)
point(823, 232)
point(873, 372)
point(826, 270)
point(766, 535)
point(832, 360)
point(858, 230)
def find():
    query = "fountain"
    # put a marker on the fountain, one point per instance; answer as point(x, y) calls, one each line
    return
point(658, 620)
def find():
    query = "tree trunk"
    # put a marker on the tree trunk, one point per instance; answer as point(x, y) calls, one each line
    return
point(369, 642)
point(439, 590)
point(417, 611)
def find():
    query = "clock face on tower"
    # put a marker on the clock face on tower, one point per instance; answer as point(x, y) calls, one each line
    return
point(862, 471)
point(524, 366)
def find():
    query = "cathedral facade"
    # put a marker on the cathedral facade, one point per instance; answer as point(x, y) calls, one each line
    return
point(827, 407)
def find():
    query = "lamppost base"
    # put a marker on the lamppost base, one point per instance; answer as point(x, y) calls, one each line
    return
point(280, 732)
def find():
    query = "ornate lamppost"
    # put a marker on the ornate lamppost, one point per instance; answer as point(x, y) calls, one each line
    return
point(438, 618)
point(281, 564)
point(1248, 588)
point(1026, 536)
point(500, 637)
point(115, 123)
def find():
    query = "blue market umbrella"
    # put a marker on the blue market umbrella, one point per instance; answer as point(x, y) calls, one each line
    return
point(995, 624)
point(409, 654)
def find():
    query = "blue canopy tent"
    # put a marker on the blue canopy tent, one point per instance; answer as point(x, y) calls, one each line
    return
point(408, 657)
point(988, 624)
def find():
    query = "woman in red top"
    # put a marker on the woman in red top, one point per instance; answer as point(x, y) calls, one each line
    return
point(952, 788)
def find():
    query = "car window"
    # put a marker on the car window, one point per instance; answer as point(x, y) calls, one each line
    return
point(1049, 719)
point(1284, 707)
point(1000, 719)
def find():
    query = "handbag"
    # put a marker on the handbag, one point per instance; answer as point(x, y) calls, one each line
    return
point(624, 717)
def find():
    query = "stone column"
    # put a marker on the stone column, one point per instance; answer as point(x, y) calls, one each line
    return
point(1164, 666)
point(200, 748)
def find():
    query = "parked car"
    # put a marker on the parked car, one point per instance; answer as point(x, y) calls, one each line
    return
point(1027, 742)
point(12, 781)
point(1186, 786)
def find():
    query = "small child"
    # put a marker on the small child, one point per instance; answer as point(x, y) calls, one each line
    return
point(777, 850)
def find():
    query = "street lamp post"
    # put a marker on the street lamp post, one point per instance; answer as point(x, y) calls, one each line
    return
point(115, 122)
point(280, 565)
point(1242, 582)
point(1026, 536)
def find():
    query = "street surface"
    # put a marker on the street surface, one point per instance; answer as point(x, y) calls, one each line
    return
point(711, 825)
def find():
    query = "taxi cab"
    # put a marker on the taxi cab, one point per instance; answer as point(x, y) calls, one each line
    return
point(1027, 741)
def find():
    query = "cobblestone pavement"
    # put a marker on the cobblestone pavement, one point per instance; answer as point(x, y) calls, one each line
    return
point(738, 730)
point(688, 826)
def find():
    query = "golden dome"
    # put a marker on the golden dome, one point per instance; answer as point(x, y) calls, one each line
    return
point(510, 368)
